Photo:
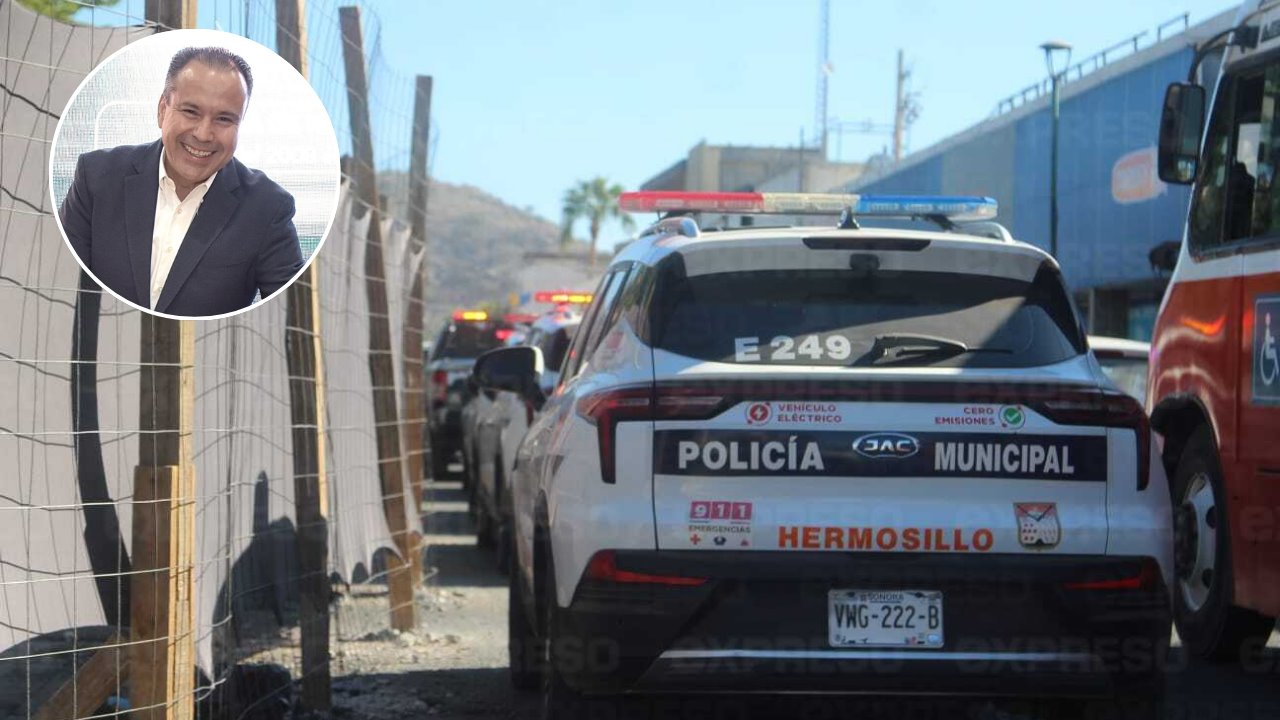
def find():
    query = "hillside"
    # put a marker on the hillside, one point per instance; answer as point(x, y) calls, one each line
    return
point(476, 243)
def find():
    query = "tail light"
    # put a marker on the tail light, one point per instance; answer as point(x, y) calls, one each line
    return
point(1104, 409)
point(607, 408)
point(603, 567)
point(1146, 578)
point(439, 386)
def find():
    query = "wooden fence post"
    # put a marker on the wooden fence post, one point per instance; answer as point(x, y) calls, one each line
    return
point(307, 407)
point(381, 367)
point(414, 409)
point(162, 588)
point(162, 658)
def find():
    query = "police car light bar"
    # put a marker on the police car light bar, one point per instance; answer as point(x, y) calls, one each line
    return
point(476, 315)
point(956, 208)
point(562, 296)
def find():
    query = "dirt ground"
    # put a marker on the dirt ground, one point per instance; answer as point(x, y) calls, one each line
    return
point(454, 665)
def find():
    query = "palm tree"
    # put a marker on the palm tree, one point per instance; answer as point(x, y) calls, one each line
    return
point(597, 201)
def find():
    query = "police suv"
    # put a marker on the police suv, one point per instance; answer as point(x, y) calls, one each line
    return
point(499, 423)
point(833, 460)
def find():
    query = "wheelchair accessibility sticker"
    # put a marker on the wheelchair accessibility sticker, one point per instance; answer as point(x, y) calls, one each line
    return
point(1266, 350)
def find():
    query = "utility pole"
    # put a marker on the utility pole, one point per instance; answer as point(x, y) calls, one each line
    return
point(824, 69)
point(900, 110)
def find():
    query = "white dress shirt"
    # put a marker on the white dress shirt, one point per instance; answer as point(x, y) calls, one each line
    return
point(173, 219)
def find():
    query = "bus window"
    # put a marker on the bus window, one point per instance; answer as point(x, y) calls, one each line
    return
point(1243, 179)
point(1205, 231)
point(1266, 207)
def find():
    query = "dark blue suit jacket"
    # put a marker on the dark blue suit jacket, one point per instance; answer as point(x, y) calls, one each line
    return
point(241, 242)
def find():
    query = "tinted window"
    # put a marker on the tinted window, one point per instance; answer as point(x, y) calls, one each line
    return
point(574, 359)
point(826, 317)
point(606, 316)
point(468, 340)
point(554, 346)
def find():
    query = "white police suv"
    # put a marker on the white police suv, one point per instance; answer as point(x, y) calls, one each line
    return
point(833, 460)
point(500, 423)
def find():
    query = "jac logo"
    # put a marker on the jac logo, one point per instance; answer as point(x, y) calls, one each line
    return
point(886, 445)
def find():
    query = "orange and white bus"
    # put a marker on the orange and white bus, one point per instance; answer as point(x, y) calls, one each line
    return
point(1214, 385)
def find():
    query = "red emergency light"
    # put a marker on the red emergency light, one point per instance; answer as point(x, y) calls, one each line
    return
point(957, 208)
point(562, 296)
point(519, 318)
point(735, 202)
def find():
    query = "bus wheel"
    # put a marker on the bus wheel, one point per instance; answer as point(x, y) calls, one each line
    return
point(1210, 625)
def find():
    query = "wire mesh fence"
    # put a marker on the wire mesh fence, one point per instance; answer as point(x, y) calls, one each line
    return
point(332, 372)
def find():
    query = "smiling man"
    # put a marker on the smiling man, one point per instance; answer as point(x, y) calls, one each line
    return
point(179, 226)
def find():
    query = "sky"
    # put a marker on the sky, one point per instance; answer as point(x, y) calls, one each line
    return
point(531, 96)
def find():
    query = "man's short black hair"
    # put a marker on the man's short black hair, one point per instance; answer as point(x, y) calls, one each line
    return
point(212, 56)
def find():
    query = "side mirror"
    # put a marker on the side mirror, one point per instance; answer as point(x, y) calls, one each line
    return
point(513, 369)
point(1181, 127)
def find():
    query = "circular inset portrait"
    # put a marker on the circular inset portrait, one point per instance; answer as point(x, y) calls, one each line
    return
point(195, 174)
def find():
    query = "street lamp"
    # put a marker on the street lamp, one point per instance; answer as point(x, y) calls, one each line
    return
point(1053, 50)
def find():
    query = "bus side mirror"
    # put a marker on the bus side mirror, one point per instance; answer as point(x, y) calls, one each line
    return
point(1181, 126)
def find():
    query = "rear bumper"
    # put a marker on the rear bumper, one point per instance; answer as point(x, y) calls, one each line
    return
point(760, 623)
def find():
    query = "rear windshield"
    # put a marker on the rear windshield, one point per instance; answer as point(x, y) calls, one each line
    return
point(468, 340)
point(890, 319)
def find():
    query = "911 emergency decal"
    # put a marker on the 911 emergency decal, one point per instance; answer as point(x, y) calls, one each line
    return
point(721, 523)
point(880, 454)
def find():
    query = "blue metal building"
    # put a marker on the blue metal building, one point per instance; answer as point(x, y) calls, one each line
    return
point(1113, 210)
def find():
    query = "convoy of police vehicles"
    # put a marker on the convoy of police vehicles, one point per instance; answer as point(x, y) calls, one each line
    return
point(493, 424)
point(847, 459)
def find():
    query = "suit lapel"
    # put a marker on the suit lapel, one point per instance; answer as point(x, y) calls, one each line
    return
point(215, 211)
point(140, 216)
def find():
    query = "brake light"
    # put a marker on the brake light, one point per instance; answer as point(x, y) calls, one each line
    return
point(503, 334)
point(562, 296)
point(605, 409)
point(603, 567)
point(439, 385)
point(1147, 578)
point(1104, 409)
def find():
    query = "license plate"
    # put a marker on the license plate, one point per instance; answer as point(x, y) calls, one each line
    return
point(885, 618)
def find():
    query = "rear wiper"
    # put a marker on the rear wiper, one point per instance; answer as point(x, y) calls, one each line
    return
point(893, 347)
